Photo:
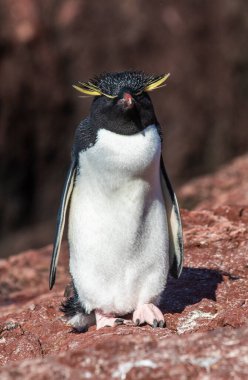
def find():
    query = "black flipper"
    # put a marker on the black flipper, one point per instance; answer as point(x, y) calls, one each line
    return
point(174, 224)
point(68, 187)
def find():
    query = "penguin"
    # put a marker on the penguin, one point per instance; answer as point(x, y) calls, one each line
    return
point(124, 226)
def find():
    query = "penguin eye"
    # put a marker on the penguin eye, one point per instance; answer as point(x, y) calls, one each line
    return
point(138, 93)
point(109, 96)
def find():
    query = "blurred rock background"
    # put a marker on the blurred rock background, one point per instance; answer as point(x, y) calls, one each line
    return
point(46, 45)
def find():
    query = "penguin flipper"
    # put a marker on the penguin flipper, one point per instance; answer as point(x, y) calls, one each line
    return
point(175, 231)
point(67, 190)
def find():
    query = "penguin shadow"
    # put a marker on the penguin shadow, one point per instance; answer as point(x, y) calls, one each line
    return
point(193, 285)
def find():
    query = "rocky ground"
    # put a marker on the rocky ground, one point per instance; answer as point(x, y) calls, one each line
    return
point(206, 310)
point(228, 186)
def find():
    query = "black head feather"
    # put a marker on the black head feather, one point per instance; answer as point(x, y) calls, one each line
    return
point(112, 83)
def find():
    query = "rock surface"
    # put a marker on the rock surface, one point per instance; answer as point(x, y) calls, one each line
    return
point(227, 186)
point(206, 311)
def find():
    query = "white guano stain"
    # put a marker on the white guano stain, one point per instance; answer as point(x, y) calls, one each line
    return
point(189, 322)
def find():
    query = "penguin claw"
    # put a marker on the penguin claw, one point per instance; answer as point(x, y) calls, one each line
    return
point(155, 323)
point(161, 324)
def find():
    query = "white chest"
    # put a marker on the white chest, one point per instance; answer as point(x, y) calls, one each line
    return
point(119, 158)
point(117, 225)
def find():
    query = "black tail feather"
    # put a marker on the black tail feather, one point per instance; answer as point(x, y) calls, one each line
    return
point(72, 305)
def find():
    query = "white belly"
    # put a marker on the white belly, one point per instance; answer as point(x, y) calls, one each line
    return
point(117, 225)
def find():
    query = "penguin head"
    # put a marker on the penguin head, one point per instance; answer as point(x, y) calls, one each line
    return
point(121, 102)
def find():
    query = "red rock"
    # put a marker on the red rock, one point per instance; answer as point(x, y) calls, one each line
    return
point(227, 186)
point(206, 312)
point(219, 354)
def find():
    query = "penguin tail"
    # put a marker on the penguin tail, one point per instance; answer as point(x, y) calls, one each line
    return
point(75, 313)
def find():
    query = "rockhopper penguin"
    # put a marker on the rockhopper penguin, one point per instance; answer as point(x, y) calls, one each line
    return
point(124, 226)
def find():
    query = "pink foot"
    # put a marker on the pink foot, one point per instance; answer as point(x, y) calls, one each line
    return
point(148, 313)
point(103, 320)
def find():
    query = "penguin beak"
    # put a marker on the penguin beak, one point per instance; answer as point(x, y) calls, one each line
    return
point(127, 101)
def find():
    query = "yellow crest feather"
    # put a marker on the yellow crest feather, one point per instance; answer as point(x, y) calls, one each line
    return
point(87, 91)
point(90, 89)
point(156, 84)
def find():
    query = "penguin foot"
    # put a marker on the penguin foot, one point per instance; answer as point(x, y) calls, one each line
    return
point(148, 313)
point(108, 320)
